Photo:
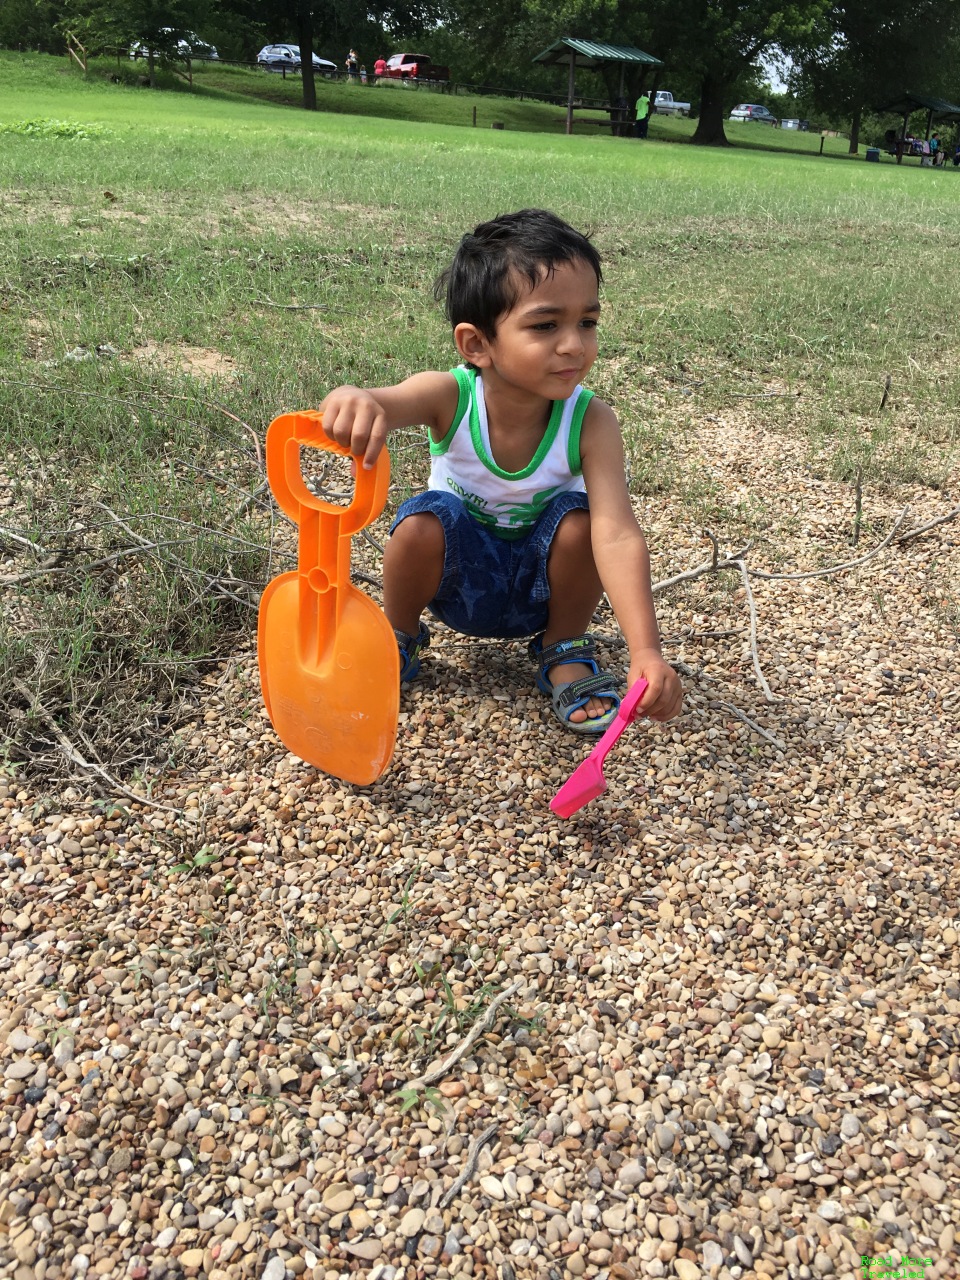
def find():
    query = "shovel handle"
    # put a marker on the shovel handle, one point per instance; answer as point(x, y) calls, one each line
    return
point(285, 435)
point(626, 712)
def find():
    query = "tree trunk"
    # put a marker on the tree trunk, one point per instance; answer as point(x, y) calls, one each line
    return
point(305, 39)
point(855, 129)
point(713, 92)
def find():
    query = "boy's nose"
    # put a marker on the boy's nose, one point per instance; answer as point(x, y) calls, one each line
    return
point(571, 339)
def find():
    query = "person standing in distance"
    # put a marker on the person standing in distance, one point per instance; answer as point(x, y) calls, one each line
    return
point(643, 115)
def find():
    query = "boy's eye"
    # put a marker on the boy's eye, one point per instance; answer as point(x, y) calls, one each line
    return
point(590, 322)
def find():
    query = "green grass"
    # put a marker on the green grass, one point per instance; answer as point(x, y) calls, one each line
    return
point(149, 240)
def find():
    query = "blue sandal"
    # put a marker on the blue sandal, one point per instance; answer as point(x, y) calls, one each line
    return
point(567, 698)
point(410, 649)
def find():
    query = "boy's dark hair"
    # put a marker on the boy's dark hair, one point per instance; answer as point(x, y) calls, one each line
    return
point(482, 282)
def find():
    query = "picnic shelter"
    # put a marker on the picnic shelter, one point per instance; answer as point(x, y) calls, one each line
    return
point(907, 103)
point(591, 55)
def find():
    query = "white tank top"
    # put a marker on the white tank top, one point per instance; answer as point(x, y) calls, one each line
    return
point(508, 502)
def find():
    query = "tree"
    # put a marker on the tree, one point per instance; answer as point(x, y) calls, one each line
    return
point(724, 39)
point(30, 24)
point(870, 50)
point(157, 25)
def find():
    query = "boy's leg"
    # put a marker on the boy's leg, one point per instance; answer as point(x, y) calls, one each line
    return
point(412, 569)
point(575, 591)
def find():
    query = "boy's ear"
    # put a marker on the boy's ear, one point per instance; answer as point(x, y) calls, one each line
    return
point(472, 345)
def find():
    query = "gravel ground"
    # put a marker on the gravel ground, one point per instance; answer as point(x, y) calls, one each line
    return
point(706, 1028)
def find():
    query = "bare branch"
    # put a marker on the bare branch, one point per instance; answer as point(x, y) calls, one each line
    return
point(24, 542)
point(690, 575)
point(745, 577)
point(74, 756)
point(470, 1165)
point(742, 715)
point(925, 528)
point(481, 1026)
point(836, 568)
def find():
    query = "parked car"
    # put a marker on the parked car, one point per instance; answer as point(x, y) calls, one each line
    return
point(665, 104)
point(286, 57)
point(187, 47)
point(754, 111)
point(415, 66)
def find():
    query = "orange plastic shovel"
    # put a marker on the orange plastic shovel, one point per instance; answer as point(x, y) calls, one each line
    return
point(329, 665)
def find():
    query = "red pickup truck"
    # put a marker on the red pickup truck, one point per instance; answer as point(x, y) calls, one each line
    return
point(415, 66)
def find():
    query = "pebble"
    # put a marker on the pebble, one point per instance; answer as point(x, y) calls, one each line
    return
point(686, 1270)
point(933, 1187)
point(339, 1198)
point(412, 1222)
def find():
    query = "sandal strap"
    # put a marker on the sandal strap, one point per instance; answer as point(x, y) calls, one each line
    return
point(572, 695)
point(576, 649)
point(408, 642)
point(410, 648)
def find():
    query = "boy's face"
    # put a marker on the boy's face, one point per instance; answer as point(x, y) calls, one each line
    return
point(547, 342)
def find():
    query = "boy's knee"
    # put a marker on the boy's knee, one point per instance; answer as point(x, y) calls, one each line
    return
point(420, 534)
point(573, 531)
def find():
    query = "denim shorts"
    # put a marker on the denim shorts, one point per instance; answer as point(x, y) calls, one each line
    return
point(491, 587)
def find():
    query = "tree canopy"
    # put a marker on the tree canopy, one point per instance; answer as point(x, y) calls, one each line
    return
point(866, 51)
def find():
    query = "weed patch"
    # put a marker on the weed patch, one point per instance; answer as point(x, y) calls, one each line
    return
point(56, 129)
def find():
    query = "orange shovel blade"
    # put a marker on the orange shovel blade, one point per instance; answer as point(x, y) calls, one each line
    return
point(339, 713)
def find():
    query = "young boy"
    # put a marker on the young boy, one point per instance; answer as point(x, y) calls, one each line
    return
point(527, 519)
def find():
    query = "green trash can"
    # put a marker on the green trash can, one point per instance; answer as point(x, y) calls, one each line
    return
point(873, 153)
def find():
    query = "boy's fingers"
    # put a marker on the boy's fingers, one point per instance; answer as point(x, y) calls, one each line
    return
point(375, 440)
point(662, 698)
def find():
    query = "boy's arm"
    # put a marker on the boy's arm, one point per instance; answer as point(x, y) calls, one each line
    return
point(361, 419)
point(622, 560)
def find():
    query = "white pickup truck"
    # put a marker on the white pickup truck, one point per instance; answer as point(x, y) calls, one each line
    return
point(666, 105)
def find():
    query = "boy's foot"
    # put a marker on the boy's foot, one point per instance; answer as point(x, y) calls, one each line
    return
point(570, 673)
point(584, 698)
point(410, 649)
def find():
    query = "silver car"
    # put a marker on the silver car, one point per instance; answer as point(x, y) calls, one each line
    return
point(754, 111)
point(187, 47)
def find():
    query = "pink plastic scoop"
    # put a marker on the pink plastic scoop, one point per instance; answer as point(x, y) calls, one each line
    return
point(587, 781)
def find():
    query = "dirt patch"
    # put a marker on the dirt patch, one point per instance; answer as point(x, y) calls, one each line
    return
point(199, 362)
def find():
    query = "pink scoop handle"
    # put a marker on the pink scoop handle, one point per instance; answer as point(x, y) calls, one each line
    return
point(587, 781)
point(627, 712)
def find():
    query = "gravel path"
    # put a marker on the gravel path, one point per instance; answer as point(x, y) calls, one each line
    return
point(716, 1013)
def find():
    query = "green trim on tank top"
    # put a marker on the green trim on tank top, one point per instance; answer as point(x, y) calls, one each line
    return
point(574, 461)
point(464, 391)
point(543, 448)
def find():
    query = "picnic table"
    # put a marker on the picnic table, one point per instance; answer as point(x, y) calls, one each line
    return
point(620, 120)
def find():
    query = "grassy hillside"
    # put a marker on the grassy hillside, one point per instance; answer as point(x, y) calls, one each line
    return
point(391, 102)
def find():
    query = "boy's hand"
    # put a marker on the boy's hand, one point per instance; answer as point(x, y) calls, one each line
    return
point(664, 695)
point(356, 420)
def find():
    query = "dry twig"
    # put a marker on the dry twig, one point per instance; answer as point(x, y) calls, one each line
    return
point(470, 1165)
point(73, 755)
point(24, 542)
point(478, 1029)
point(751, 605)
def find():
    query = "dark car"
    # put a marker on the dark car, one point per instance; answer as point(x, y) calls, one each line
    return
point(286, 57)
point(754, 111)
